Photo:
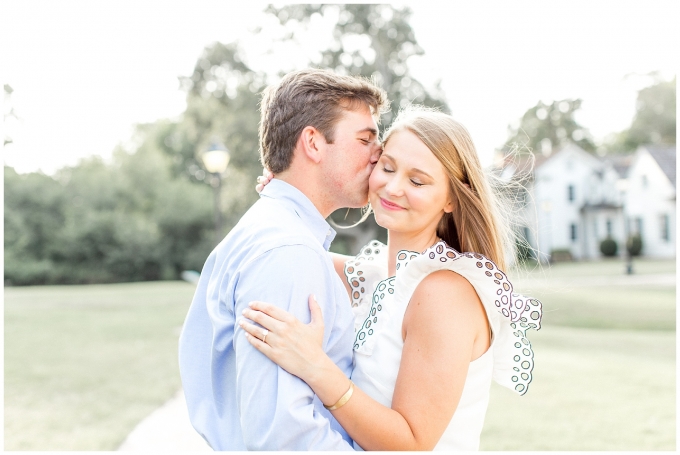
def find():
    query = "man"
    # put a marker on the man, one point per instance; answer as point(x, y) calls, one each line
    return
point(318, 135)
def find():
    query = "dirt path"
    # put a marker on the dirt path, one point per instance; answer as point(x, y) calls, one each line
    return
point(167, 429)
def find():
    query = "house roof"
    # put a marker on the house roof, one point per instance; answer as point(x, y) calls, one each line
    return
point(620, 163)
point(665, 158)
point(524, 165)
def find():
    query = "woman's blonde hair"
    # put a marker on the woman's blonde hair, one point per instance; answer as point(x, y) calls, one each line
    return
point(478, 222)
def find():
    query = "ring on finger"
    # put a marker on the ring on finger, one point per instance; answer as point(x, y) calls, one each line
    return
point(265, 332)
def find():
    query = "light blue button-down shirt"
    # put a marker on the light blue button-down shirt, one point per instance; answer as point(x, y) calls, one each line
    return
point(237, 398)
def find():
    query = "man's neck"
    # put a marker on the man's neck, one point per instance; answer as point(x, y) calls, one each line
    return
point(310, 187)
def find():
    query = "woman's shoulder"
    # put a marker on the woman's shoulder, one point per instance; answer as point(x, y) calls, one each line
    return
point(510, 313)
point(433, 267)
point(443, 281)
point(491, 284)
point(444, 292)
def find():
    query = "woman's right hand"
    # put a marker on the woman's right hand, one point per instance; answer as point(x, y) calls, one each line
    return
point(263, 180)
point(294, 346)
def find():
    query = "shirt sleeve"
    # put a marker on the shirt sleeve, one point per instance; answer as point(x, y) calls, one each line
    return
point(279, 411)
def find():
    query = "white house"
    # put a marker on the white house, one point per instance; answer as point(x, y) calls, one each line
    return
point(576, 200)
point(650, 193)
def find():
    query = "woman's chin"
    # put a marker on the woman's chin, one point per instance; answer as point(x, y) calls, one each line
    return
point(384, 219)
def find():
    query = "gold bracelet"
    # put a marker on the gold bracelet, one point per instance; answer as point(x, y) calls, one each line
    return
point(343, 399)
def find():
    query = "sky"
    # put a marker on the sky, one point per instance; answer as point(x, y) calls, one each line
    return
point(84, 73)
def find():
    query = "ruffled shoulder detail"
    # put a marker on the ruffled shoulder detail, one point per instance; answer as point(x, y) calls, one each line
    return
point(365, 268)
point(378, 314)
point(510, 314)
point(362, 273)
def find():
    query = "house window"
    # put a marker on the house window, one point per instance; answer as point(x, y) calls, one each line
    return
point(609, 228)
point(665, 227)
point(573, 231)
point(571, 191)
point(637, 227)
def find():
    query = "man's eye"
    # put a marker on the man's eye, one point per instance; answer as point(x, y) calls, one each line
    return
point(365, 141)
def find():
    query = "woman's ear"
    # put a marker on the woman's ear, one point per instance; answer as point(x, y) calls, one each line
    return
point(450, 204)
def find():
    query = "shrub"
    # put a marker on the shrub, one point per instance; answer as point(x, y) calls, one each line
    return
point(560, 255)
point(609, 247)
point(634, 245)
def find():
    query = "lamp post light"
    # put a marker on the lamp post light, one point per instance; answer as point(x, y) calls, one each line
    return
point(215, 160)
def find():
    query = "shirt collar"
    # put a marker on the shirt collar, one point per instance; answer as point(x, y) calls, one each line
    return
point(303, 207)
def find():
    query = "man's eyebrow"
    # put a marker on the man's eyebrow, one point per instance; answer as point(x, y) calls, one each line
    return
point(415, 169)
point(370, 130)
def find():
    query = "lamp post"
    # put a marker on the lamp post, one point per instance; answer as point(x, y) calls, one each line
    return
point(622, 187)
point(215, 160)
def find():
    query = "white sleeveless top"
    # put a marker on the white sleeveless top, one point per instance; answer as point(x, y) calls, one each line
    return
point(379, 304)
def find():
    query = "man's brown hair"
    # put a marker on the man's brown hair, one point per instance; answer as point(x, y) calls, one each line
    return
point(310, 97)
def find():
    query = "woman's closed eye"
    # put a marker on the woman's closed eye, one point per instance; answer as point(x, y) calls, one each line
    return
point(416, 183)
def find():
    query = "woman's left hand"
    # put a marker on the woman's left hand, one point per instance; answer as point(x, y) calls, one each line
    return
point(294, 346)
point(263, 180)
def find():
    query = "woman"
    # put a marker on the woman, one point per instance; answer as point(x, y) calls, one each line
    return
point(428, 341)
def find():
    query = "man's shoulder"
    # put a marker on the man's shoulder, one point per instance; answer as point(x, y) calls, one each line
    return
point(269, 225)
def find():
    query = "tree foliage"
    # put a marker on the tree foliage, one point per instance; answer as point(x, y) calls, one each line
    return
point(549, 126)
point(95, 222)
point(222, 96)
point(655, 119)
point(374, 41)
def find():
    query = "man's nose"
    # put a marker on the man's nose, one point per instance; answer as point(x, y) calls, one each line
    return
point(377, 151)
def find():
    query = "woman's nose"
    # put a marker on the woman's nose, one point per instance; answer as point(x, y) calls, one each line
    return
point(393, 187)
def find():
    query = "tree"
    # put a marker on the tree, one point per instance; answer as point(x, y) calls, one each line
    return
point(223, 94)
point(547, 127)
point(373, 41)
point(654, 121)
point(130, 220)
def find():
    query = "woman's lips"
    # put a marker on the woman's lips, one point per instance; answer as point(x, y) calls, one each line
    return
point(389, 205)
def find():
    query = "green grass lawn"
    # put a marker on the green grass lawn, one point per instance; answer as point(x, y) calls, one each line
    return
point(568, 302)
point(592, 389)
point(84, 364)
point(604, 267)
point(604, 375)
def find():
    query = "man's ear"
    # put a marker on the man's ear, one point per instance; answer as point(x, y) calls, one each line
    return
point(312, 143)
